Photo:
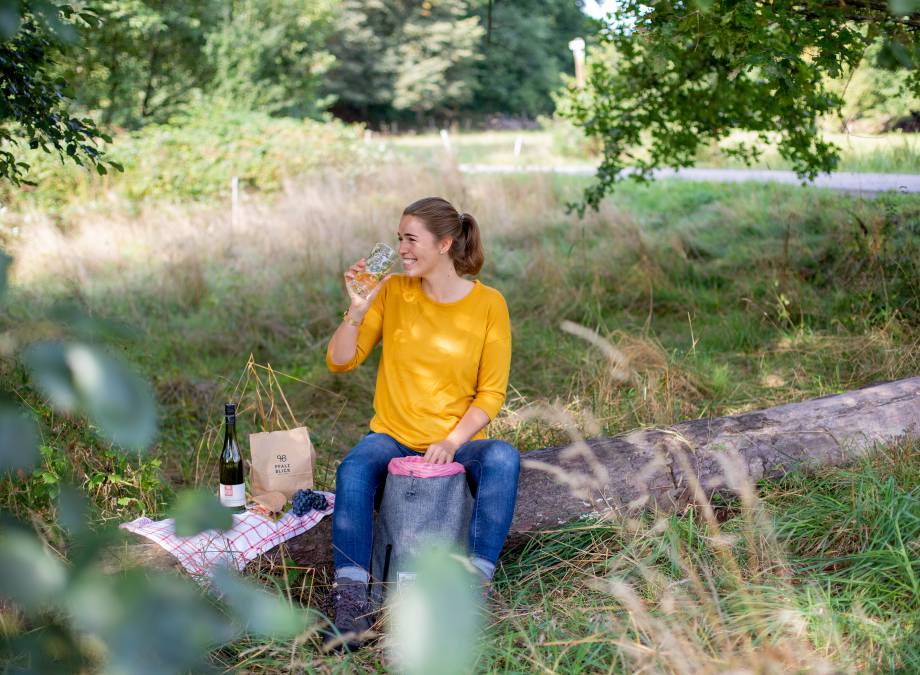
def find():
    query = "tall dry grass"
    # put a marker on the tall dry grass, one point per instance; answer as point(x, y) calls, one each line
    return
point(276, 272)
point(320, 226)
point(709, 590)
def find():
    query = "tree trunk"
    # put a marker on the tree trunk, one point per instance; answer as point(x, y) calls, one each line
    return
point(657, 468)
point(151, 73)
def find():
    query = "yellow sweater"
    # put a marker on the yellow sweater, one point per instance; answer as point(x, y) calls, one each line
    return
point(439, 358)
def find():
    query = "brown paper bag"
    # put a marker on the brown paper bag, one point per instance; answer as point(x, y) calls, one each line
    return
point(282, 461)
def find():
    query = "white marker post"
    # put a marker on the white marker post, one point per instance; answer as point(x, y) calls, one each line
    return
point(234, 202)
point(578, 51)
point(518, 144)
point(445, 139)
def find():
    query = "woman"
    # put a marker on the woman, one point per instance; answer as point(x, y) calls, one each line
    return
point(442, 378)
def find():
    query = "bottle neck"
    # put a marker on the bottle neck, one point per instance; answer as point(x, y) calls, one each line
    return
point(230, 426)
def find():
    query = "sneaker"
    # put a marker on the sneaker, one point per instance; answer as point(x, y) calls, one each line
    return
point(353, 619)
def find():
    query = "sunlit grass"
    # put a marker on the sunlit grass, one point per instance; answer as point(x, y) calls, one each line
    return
point(724, 298)
point(864, 153)
point(523, 147)
point(721, 299)
point(555, 146)
point(661, 594)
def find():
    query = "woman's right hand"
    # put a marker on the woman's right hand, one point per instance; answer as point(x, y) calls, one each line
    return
point(360, 305)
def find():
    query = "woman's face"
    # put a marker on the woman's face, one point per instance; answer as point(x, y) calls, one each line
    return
point(418, 248)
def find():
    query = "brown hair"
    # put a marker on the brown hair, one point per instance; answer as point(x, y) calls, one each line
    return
point(443, 220)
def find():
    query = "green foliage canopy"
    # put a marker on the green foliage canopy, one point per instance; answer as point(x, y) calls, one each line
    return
point(143, 61)
point(34, 106)
point(436, 55)
point(401, 55)
point(149, 60)
point(271, 56)
point(524, 53)
point(395, 57)
point(685, 74)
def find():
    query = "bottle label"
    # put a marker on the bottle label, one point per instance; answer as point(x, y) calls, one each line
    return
point(232, 495)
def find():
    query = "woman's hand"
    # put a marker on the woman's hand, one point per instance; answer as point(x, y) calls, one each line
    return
point(360, 305)
point(441, 452)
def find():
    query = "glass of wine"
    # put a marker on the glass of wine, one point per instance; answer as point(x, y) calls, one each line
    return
point(377, 265)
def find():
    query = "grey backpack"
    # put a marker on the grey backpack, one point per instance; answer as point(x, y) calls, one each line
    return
point(414, 512)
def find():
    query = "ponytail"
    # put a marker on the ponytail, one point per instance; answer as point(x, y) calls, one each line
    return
point(470, 255)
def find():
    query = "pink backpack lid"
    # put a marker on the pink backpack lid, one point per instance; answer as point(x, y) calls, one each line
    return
point(417, 467)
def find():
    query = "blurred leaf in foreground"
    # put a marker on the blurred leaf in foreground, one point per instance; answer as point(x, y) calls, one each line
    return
point(29, 574)
point(80, 377)
point(903, 7)
point(435, 622)
point(197, 510)
point(260, 612)
point(82, 326)
point(72, 510)
point(5, 261)
point(18, 439)
point(151, 624)
point(10, 19)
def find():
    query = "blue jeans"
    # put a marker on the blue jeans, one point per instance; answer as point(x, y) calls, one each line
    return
point(492, 469)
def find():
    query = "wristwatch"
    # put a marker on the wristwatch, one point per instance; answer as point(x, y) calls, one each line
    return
point(350, 321)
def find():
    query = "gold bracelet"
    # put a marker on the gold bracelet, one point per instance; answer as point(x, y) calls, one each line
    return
point(351, 322)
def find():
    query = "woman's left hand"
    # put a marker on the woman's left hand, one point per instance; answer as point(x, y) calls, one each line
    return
point(441, 452)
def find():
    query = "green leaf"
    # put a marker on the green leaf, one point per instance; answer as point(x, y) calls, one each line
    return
point(78, 377)
point(260, 612)
point(72, 510)
point(18, 439)
point(150, 623)
point(47, 362)
point(86, 327)
point(9, 19)
point(29, 574)
point(894, 55)
point(196, 511)
point(435, 622)
point(5, 261)
point(51, 13)
point(903, 7)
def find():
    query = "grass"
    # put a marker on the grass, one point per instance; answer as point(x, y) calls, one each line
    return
point(558, 144)
point(862, 153)
point(664, 596)
point(721, 299)
point(550, 147)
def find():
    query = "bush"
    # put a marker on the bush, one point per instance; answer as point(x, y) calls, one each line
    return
point(196, 156)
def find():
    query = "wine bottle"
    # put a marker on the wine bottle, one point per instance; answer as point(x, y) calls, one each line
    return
point(232, 484)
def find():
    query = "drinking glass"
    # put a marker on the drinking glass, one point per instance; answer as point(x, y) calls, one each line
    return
point(377, 265)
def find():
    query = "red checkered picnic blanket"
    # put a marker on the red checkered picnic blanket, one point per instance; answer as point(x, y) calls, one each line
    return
point(251, 535)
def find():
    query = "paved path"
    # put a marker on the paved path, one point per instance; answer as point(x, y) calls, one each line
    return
point(866, 184)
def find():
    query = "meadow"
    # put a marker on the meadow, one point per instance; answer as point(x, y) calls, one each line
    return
point(558, 143)
point(725, 298)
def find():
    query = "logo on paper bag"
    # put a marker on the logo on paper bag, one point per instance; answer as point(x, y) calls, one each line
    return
point(282, 465)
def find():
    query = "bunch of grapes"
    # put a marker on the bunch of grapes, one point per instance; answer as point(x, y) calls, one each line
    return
point(304, 501)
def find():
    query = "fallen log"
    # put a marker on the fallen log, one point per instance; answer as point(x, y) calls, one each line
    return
point(656, 468)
